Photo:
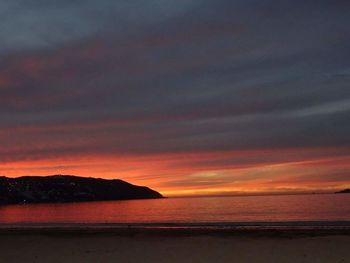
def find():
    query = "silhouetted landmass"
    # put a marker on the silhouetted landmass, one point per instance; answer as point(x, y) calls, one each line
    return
point(345, 191)
point(66, 188)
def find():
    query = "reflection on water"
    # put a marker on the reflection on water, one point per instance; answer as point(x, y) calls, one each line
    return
point(328, 207)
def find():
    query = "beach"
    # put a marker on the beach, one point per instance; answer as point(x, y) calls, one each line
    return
point(173, 244)
point(282, 229)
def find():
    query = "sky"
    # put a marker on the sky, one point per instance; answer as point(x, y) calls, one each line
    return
point(189, 97)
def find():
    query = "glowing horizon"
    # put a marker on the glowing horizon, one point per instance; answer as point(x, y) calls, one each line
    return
point(205, 174)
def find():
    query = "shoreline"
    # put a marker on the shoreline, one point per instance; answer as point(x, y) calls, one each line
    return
point(252, 229)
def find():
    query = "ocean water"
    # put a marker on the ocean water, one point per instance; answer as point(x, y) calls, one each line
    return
point(277, 208)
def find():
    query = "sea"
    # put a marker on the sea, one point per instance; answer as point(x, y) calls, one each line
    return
point(314, 208)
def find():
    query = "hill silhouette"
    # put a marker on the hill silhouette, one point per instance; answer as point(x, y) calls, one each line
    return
point(68, 188)
point(345, 191)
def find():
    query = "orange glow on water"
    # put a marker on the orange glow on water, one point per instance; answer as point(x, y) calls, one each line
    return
point(330, 207)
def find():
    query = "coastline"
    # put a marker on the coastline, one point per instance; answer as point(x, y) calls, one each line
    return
point(267, 229)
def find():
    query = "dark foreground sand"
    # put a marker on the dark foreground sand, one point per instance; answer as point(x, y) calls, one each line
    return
point(173, 246)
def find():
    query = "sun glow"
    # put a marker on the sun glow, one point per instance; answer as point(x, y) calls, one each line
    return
point(213, 173)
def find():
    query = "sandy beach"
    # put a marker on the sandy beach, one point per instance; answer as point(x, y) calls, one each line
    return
point(174, 245)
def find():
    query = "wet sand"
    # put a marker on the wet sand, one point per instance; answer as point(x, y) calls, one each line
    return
point(133, 244)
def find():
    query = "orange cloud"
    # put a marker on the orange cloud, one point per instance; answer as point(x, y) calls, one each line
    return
point(173, 174)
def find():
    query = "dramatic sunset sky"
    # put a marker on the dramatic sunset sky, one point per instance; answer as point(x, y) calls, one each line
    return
point(186, 96)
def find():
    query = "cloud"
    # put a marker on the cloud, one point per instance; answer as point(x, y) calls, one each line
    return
point(48, 24)
point(162, 77)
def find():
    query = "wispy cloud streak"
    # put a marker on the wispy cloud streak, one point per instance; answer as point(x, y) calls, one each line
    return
point(263, 83)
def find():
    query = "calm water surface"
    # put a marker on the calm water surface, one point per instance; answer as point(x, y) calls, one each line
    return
point(327, 207)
